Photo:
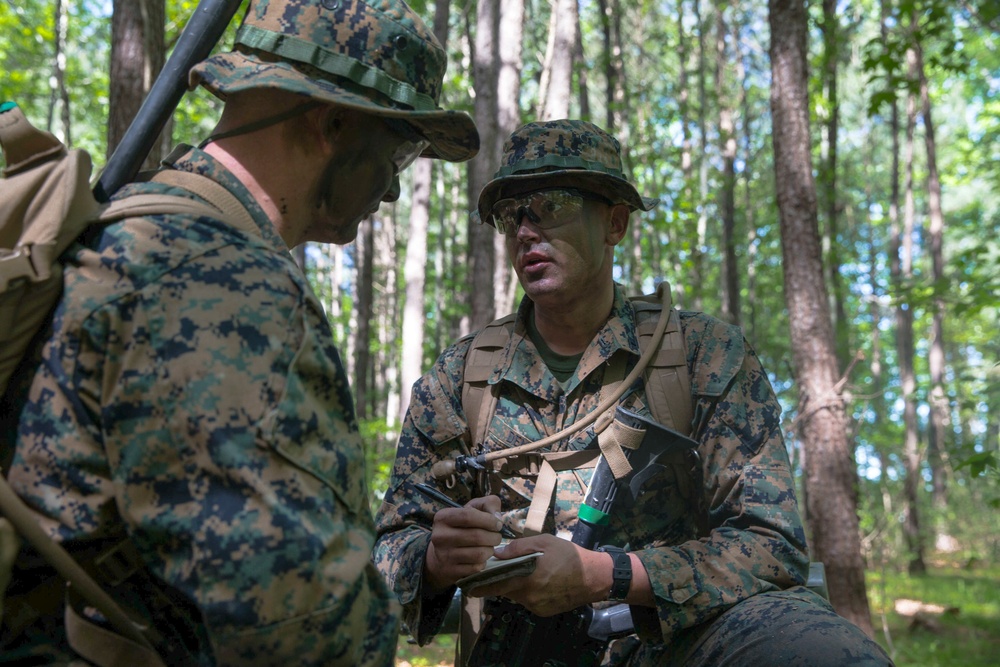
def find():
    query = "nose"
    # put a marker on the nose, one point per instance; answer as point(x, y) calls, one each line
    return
point(526, 228)
point(392, 194)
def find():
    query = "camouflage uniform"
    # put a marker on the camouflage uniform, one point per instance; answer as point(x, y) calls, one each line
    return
point(189, 403)
point(715, 532)
point(191, 398)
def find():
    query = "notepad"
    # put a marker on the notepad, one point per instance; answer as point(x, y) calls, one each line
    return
point(500, 570)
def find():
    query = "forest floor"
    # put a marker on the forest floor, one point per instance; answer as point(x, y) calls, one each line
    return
point(949, 617)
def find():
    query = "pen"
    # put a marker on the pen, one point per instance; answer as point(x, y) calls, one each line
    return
point(434, 494)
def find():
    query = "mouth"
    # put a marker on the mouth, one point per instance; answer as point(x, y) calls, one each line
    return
point(530, 260)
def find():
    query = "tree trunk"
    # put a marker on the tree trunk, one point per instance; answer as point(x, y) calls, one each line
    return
point(830, 475)
point(698, 244)
point(365, 259)
point(415, 266)
point(59, 94)
point(831, 238)
point(559, 60)
point(508, 120)
point(748, 200)
point(686, 205)
point(482, 251)
point(137, 56)
point(727, 195)
point(937, 440)
point(912, 524)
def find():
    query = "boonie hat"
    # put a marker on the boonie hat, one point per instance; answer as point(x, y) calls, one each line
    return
point(554, 153)
point(375, 56)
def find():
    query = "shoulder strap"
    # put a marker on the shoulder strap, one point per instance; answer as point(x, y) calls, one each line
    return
point(480, 362)
point(668, 386)
point(222, 203)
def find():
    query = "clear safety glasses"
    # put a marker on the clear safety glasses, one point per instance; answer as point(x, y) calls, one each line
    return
point(412, 146)
point(546, 209)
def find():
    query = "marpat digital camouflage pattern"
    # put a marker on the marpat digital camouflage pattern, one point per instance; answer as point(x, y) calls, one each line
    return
point(190, 401)
point(191, 397)
point(718, 532)
point(756, 541)
point(376, 56)
point(553, 153)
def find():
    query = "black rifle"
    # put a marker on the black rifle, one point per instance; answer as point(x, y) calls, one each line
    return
point(513, 636)
point(203, 31)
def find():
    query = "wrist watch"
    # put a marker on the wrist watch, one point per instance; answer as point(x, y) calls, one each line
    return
point(622, 573)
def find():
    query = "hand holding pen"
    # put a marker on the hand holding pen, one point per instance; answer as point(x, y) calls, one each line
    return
point(434, 494)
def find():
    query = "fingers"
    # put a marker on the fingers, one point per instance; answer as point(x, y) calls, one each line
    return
point(488, 504)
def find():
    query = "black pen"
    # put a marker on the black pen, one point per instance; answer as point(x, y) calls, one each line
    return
point(434, 494)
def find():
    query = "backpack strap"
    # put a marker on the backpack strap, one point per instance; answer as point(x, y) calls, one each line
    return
point(480, 362)
point(668, 386)
point(221, 203)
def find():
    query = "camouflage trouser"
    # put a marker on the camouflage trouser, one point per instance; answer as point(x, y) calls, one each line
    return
point(783, 629)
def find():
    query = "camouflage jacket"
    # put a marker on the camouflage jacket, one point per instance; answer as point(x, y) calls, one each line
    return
point(191, 398)
point(710, 530)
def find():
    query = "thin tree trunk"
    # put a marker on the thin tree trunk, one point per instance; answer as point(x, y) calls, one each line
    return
point(727, 194)
point(365, 258)
point(830, 474)
point(59, 95)
point(937, 440)
point(137, 56)
point(559, 60)
point(831, 238)
point(482, 251)
point(748, 208)
point(415, 266)
point(904, 324)
point(508, 120)
point(700, 241)
point(683, 112)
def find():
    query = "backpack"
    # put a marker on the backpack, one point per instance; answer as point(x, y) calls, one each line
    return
point(46, 203)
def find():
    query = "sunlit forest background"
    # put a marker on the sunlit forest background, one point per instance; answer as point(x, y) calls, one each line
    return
point(904, 110)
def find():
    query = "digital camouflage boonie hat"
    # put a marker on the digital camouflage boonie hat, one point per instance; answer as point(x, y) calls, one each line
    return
point(570, 153)
point(376, 56)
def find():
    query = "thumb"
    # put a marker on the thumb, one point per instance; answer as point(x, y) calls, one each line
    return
point(521, 546)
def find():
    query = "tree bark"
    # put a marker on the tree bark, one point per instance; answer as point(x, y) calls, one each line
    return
point(415, 264)
point(137, 56)
point(482, 251)
point(937, 440)
point(831, 129)
point(727, 193)
point(508, 120)
point(830, 474)
point(365, 259)
point(559, 60)
point(698, 245)
point(59, 94)
point(912, 524)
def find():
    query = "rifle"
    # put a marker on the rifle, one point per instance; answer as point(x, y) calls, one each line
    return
point(203, 31)
point(512, 635)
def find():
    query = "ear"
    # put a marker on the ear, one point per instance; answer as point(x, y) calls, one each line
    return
point(617, 224)
point(328, 123)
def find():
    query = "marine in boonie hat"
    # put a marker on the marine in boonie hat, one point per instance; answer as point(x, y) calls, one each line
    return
point(554, 153)
point(377, 56)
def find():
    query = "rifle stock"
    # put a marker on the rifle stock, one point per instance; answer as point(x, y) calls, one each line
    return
point(199, 37)
point(512, 635)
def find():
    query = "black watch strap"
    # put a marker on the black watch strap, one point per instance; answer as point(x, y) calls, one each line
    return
point(622, 573)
